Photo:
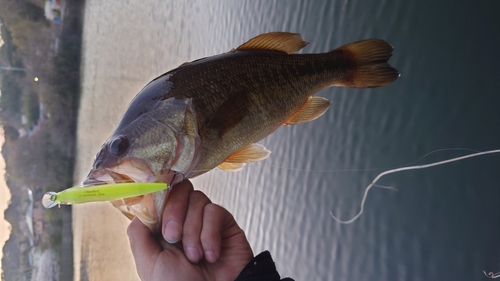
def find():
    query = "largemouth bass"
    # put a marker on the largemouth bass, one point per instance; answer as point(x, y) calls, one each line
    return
point(212, 112)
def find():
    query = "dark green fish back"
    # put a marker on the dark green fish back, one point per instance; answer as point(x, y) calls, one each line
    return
point(241, 97)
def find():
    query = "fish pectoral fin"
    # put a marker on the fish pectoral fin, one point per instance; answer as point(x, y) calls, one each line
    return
point(285, 42)
point(230, 113)
point(311, 110)
point(251, 153)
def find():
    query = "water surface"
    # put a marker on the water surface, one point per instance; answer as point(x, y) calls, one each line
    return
point(442, 224)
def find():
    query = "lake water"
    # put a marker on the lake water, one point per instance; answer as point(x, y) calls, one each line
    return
point(443, 223)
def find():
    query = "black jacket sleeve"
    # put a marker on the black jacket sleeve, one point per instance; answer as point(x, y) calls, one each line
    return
point(261, 268)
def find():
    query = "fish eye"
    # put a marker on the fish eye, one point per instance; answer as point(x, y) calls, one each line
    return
point(118, 146)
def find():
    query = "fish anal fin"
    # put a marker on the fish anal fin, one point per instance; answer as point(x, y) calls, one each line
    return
point(285, 42)
point(231, 167)
point(311, 110)
point(251, 153)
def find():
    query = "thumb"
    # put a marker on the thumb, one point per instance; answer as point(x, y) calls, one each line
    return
point(145, 248)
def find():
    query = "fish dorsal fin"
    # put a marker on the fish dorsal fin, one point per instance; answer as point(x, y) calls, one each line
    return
point(251, 153)
point(312, 109)
point(285, 42)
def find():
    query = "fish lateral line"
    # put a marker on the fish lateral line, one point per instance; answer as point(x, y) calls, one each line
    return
point(408, 168)
point(99, 193)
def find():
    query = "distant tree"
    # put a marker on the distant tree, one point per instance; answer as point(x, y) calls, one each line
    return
point(10, 133)
point(33, 12)
point(5, 151)
point(10, 48)
point(21, 160)
point(21, 31)
point(30, 107)
point(10, 260)
point(10, 100)
point(10, 11)
point(12, 216)
point(48, 268)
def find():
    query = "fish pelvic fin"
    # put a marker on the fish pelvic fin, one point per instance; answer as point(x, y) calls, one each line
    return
point(312, 109)
point(370, 64)
point(285, 42)
point(251, 153)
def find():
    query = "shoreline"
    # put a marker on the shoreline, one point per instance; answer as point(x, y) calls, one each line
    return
point(76, 10)
point(67, 251)
point(71, 40)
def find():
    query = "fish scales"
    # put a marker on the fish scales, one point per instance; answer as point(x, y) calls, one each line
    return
point(211, 112)
point(273, 85)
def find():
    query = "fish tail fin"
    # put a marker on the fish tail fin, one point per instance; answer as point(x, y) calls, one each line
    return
point(369, 59)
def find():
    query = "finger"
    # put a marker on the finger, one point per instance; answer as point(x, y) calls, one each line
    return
point(145, 248)
point(174, 211)
point(216, 222)
point(193, 225)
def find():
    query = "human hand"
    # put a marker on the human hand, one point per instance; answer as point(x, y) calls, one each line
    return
point(213, 246)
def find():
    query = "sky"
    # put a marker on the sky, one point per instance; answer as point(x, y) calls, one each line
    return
point(4, 200)
point(4, 195)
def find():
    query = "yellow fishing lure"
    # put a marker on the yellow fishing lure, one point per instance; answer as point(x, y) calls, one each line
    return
point(105, 192)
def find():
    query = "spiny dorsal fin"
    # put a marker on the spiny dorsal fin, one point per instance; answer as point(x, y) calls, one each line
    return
point(285, 42)
point(312, 109)
point(251, 153)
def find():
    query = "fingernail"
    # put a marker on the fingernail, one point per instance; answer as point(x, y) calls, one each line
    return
point(193, 254)
point(172, 232)
point(211, 256)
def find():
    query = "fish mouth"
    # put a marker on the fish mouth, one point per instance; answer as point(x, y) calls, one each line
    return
point(101, 177)
point(146, 207)
point(125, 172)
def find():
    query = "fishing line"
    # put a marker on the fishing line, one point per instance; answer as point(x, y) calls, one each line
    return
point(492, 275)
point(52, 196)
point(254, 165)
point(370, 169)
point(373, 183)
